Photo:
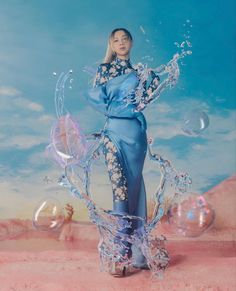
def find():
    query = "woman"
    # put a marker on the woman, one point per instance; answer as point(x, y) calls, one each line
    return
point(125, 140)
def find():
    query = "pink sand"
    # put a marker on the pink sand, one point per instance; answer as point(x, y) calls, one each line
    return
point(68, 260)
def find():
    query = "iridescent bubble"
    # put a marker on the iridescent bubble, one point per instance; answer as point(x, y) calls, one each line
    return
point(68, 142)
point(48, 215)
point(195, 122)
point(192, 216)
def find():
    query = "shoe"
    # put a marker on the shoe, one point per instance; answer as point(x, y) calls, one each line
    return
point(116, 269)
point(143, 266)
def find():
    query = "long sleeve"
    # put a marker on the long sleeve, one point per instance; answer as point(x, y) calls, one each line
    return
point(151, 88)
point(108, 97)
point(102, 75)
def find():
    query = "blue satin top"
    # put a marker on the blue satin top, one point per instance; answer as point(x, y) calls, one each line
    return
point(113, 82)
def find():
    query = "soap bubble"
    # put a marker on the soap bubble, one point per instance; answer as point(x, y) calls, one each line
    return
point(48, 215)
point(192, 216)
point(68, 142)
point(195, 122)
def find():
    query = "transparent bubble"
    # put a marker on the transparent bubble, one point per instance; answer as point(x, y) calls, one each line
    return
point(69, 144)
point(192, 216)
point(195, 122)
point(48, 215)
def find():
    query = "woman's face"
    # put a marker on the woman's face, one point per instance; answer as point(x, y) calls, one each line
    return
point(121, 44)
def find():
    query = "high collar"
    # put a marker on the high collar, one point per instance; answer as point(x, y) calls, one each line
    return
point(122, 62)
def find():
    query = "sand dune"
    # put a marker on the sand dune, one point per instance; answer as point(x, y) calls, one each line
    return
point(67, 259)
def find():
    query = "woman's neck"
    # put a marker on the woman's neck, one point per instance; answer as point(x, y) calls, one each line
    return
point(125, 58)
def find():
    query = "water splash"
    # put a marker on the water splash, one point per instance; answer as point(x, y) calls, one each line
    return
point(115, 228)
point(59, 95)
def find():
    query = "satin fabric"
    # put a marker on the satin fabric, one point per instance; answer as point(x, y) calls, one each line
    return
point(127, 130)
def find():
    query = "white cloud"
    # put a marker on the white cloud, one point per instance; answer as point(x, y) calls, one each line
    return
point(25, 104)
point(23, 141)
point(35, 106)
point(164, 132)
point(230, 136)
point(12, 101)
point(9, 91)
point(23, 122)
point(46, 119)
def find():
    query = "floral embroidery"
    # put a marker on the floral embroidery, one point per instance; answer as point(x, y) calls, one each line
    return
point(104, 68)
point(117, 177)
point(108, 71)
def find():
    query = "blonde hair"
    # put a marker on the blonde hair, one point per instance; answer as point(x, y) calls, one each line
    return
point(110, 55)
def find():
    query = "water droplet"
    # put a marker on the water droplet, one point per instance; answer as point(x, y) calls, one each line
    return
point(54, 73)
point(147, 40)
point(187, 20)
point(142, 29)
point(71, 81)
point(182, 44)
point(188, 43)
point(71, 71)
point(70, 87)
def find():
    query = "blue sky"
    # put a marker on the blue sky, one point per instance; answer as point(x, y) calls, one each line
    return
point(40, 37)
